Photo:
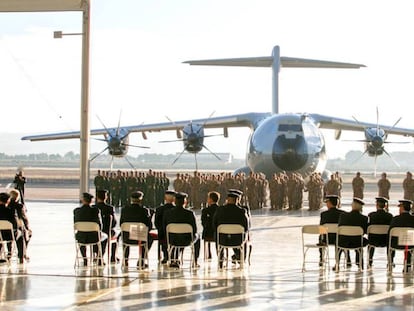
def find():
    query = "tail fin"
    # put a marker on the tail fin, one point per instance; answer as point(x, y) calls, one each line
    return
point(274, 61)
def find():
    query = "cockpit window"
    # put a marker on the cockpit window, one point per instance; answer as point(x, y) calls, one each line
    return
point(290, 127)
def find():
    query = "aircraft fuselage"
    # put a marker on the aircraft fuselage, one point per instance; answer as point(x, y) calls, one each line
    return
point(286, 142)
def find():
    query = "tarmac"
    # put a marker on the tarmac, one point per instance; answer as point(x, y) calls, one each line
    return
point(273, 281)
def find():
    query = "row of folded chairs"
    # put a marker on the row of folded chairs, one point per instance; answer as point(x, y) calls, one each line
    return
point(404, 236)
point(138, 237)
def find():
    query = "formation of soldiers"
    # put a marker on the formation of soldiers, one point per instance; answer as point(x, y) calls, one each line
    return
point(283, 191)
point(122, 184)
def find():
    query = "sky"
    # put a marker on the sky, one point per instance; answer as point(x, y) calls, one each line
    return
point(137, 75)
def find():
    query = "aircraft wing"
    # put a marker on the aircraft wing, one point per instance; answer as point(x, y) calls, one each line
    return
point(333, 123)
point(250, 120)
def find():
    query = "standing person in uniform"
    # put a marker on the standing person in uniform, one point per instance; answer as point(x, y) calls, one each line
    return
point(404, 219)
point(87, 213)
point(207, 215)
point(180, 214)
point(408, 186)
point(379, 217)
point(384, 186)
point(108, 222)
point(169, 198)
point(358, 186)
point(20, 181)
point(136, 212)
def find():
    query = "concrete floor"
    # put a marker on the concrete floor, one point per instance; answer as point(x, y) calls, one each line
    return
point(274, 281)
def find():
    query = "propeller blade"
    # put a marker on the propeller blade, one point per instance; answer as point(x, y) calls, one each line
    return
point(395, 162)
point(395, 124)
point(106, 129)
point(212, 135)
point(112, 162)
point(375, 166)
point(205, 122)
point(176, 159)
point(357, 140)
point(100, 139)
point(377, 121)
point(136, 146)
point(130, 164)
point(119, 124)
point(196, 163)
point(97, 155)
point(170, 141)
point(359, 158)
point(204, 146)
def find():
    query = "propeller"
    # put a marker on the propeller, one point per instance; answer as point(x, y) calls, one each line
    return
point(117, 142)
point(193, 139)
point(375, 141)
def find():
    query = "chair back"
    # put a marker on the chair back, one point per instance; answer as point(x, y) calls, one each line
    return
point(6, 225)
point(138, 231)
point(350, 231)
point(314, 229)
point(86, 226)
point(378, 229)
point(177, 229)
point(405, 235)
point(332, 227)
point(230, 229)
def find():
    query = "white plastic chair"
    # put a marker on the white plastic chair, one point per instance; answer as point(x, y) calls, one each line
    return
point(309, 241)
point(405, 236)
point(7, 254)
point(230, 230)
point(180, 228)
point(349, 231)
point(138, 236)
point(379, 230)
point(89, 226)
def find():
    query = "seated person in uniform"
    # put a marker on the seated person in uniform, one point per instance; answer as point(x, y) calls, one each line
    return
point(207, 215)
point(108, 222)
point(354, 218)
point(379, 217)
point(22, 220)
point(180, 214)
point(87, 213)
point(8, 214)
point(169, 198)
point(230, 213)
point(404, 219)
point(136, 212)
point(330, 216)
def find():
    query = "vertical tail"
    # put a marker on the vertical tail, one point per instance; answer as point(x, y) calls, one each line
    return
point(275, 61)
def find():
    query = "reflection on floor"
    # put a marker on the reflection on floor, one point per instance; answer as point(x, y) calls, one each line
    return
point(274, 281)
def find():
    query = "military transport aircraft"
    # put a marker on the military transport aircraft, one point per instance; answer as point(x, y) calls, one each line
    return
point(278, 141)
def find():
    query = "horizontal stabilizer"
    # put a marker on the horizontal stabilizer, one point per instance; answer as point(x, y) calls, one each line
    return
point(266, 61)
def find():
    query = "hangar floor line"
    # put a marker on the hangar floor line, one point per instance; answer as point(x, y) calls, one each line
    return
point(274, 281)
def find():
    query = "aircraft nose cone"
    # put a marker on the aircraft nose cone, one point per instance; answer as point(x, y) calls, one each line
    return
point(290, 154)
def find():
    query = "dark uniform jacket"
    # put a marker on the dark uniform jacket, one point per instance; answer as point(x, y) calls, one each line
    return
point(230, 214)
point(159, 216)
point(379, 217)
point(331, 216)
point(9, 215)
point(87, 213)
point(207, 215)
point(135, 213)
point(353, 218)
point(405, 219)
point(181, 215)
point(107, 211)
